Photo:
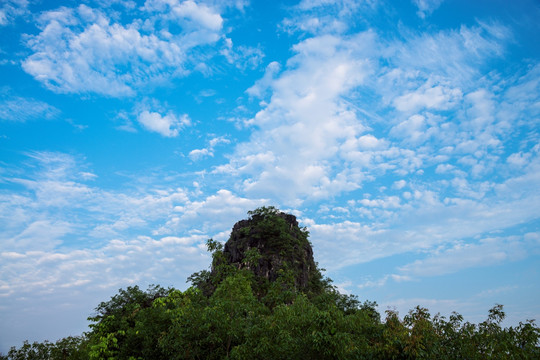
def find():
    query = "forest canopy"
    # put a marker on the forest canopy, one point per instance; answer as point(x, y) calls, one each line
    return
point(265, 298)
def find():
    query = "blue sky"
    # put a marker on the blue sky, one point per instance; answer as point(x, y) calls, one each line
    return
point(403, 134)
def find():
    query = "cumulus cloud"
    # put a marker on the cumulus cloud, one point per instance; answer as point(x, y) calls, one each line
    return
point(83, 50)
point(400, 184)
point(167, 125)
point(262, 85)
point(300, 129)
point(198, 154)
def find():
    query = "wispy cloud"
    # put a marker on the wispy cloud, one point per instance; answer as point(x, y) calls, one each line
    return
point(63, 235)
point(46, 247)
point(487, 252)
point(242, 56)
point(21, 109)
point(426, 7)
point(198, 154)
point(11, 9)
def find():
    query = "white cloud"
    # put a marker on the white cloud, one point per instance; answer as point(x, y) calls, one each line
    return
point(325, 17)
point(11, 9)
point(103, 239)
point(41, 235)
point(39, 281)
point(453, 56)
point(366, 142)
point(263, 84)
point(56, 196)
point(487, 252)
point(313, 137)
point(374, 283)
point(426, 221)
point(82, 50)
point(524, 93)
point(214, 213)
point(20, 109)
point(218, 140)
point(519, 159)
point(436, 97)
point(426, 7)
point(198, 13)
point(198, 154)
point(302, 126)
point(413, 129)
point(481, 112)
point(242, 56)
point(167, 125)
point(444, 168)
point(400, 184)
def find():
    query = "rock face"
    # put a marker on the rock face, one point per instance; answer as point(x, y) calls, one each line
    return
point(270, 243)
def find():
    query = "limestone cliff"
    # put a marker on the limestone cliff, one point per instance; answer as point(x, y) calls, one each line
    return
point(270, 243)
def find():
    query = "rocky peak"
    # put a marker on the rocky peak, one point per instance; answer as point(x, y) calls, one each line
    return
point(271, 241)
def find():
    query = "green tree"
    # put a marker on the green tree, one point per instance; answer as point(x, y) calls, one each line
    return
point(69, 348)
point(127, 326)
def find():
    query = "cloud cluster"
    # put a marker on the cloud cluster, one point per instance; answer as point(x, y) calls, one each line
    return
point(299, 132)
point(84, 50)
point(350, 111)
point(62, 231)
point(314, 139)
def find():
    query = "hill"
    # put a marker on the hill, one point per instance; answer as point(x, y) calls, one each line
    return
point(264, 297)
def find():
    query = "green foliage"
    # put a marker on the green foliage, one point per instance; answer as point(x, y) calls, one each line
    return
point(128, 325)
point(264, 212)
point(230, 314)
point(267, 224)
point(213, 246)
point(252, 258)
point(69, 348)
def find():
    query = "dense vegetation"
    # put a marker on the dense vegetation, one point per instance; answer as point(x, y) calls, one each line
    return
point(231, 312)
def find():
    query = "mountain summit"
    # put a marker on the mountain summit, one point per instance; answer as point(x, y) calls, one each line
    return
point(269, 243)
point(273, 248)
